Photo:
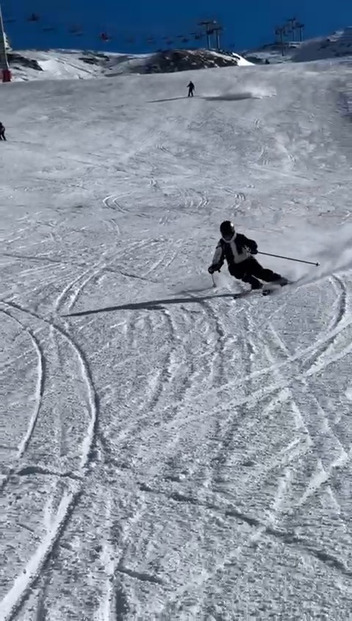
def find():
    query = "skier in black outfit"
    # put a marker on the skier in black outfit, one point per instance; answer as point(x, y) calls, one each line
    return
point(237, 249)
point(191, 88)
point(2, 132)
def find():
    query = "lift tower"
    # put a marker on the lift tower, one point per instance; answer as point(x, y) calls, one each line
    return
point(4, 65)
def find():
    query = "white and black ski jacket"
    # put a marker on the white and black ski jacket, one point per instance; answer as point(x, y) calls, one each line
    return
point(236, 250)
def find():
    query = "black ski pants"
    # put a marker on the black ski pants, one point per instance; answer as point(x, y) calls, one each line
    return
point(2, 136)
point(250, 270)
point(190, 92)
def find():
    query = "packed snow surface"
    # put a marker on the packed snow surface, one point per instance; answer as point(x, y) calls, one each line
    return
point(169, 452)
point(70, 64)
point(84, 65)
point(336, 45)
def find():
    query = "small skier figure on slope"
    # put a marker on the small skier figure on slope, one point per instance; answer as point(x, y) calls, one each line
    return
point(191, 89)
point(2, 132)
point(237, 249)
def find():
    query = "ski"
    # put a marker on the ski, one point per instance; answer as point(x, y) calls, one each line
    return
point(267, 289)
point(273, 288)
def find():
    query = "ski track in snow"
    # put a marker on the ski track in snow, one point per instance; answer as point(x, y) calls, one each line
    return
point(180, 455)
point(34, 566)
point(295, 450)
point(76, 287)
point(317, 436)
point(323, 343)
point(338, 319)
point(12, 601)
point(84, 368)
point(38, 392)
point(321, 477)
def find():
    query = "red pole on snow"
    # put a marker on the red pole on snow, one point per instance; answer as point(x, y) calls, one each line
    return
point(6, 73)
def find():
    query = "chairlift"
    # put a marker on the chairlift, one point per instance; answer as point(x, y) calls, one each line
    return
point(105, 37)
point(34, 17)
point(75, 30)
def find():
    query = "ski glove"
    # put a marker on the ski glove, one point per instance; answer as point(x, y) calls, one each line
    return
point(213, 268)
point(253, 250)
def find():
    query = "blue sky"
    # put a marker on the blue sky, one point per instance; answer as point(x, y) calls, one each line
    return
point(131, 22)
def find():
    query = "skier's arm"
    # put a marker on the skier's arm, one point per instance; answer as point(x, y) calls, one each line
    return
point(251, 244)
point(218, 259)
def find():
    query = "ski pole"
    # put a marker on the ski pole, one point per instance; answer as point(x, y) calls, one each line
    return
point(214, 285)
point(279, 256)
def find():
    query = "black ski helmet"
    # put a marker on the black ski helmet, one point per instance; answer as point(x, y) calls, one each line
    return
point(227, 229)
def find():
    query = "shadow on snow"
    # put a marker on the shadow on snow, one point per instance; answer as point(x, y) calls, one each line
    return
point(169, 99)
point(219, 97)
point(157, 304)
point(231, 96)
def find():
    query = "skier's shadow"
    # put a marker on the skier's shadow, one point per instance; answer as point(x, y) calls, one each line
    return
point(158, 304)
point(169, 99)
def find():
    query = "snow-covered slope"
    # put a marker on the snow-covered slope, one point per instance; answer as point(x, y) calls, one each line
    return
point(337, 45)
point(70, 64)
point(183, 60)
point(168, 452)
point(272, 53)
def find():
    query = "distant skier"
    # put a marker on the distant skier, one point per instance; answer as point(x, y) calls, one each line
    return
point(237, 249)
point(2, 132)
point(191, 89)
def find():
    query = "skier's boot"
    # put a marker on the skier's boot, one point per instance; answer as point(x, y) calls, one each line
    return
point(255, 284)
point(274, 285)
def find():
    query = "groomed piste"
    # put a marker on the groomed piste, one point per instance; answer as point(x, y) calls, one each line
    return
point(167, 451)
